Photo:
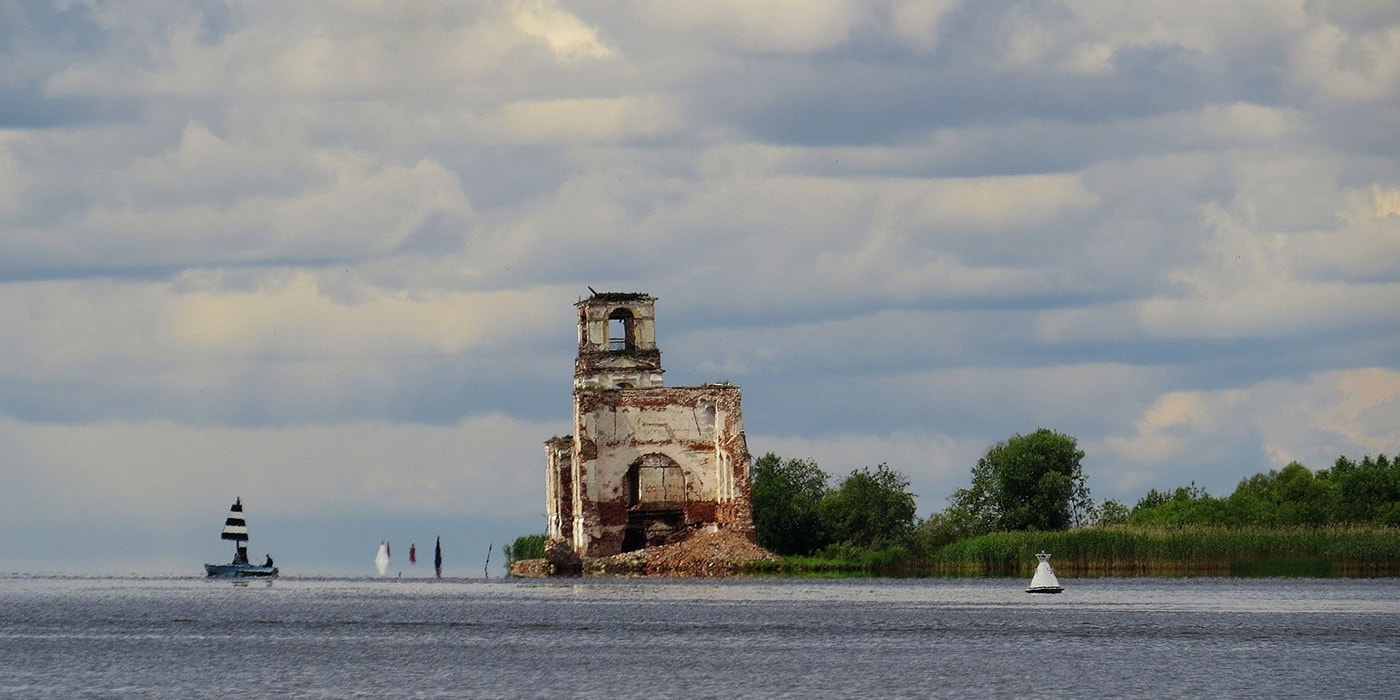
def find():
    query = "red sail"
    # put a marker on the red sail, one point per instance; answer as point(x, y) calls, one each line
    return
point(413, 554)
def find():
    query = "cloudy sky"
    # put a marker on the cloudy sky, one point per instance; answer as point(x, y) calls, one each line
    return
point(324, 255)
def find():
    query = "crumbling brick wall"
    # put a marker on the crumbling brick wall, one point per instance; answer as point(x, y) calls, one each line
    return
point(619, 433)
point(646, 464)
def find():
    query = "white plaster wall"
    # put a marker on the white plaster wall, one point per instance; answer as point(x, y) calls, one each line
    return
point(622, 436)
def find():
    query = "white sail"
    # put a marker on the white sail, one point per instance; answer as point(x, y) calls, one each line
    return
point(381, 560)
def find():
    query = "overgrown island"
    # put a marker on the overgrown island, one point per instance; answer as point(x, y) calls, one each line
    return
point(1027, 494)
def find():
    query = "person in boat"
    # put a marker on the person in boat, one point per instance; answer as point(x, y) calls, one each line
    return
point(269, 560)
point(240, 556)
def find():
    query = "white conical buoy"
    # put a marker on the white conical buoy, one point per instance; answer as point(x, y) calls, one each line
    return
point(1044, 580)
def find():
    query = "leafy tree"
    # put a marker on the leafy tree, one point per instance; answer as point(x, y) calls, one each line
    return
point(1301, 498)
point(941, 529)
point(1281, 498)
point(870, 508)
point(1350, 492)
point(786, 497)
point(1367, 491)
point(1187, 505)
point(1153, 499)
point(1028, 482)
point(1112, 513)
point(1252, 503)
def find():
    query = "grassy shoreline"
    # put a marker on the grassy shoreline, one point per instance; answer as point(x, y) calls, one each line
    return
point(1133, 551)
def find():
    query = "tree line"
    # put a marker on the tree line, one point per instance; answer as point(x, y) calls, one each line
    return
point(1035, 482)
point(1026, 482)
point(1349, 493)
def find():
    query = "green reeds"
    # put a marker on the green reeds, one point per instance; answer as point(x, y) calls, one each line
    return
point(1202, 551)
point(837, 560)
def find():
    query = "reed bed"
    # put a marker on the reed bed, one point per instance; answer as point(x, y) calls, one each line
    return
point(836, 561)
point(1203, 551)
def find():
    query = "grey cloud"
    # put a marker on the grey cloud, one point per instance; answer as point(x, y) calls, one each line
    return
point(1163, 235)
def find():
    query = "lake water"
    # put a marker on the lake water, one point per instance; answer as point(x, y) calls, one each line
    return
point(589, 638)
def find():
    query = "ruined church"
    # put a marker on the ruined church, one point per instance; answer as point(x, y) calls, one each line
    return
point(647, 464)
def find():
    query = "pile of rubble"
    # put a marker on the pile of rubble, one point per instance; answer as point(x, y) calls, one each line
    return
point(531, 568)
point(702, 555)
point(705, 555)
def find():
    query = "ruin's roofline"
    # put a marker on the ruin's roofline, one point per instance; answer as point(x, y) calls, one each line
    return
point(617, 296)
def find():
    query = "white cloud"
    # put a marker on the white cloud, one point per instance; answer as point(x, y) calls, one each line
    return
point(911, 209)
point(1198, 25)
point(1338, 64)
point(1271, 311)
point(1244, 123)
point(1085, 36)
point(295, 316)
point(1174, 421)
point(994, 202)
point(295, 346)
point(917, 22)
point(1360, 407)
point(1387, 203)
point(205, 165)
point(334, 51)
point(1256, 280)
point(211, 201)
point(781, 26)
point(585, 121)
point(1196, 434)
point(1365, 247)
point(568, 37)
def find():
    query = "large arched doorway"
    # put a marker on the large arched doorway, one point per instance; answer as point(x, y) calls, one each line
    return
point(655, 501)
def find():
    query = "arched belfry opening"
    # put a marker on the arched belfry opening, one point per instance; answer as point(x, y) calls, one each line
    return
point(617, 342)
point(621, 330)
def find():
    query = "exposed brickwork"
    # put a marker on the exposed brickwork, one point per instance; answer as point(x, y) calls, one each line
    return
point(647, 465)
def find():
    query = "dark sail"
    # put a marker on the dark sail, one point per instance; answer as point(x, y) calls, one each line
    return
point(235, 527)
point(437, 557)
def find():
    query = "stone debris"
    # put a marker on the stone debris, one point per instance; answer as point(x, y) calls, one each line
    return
point(703, 555)
point(531, 568)
point(625, 564)
point(561, 558)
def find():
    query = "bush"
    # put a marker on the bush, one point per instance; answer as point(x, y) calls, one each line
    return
point(525, 547)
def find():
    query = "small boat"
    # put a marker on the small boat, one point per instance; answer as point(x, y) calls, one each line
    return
point(1044, 580)
point(236, 529)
